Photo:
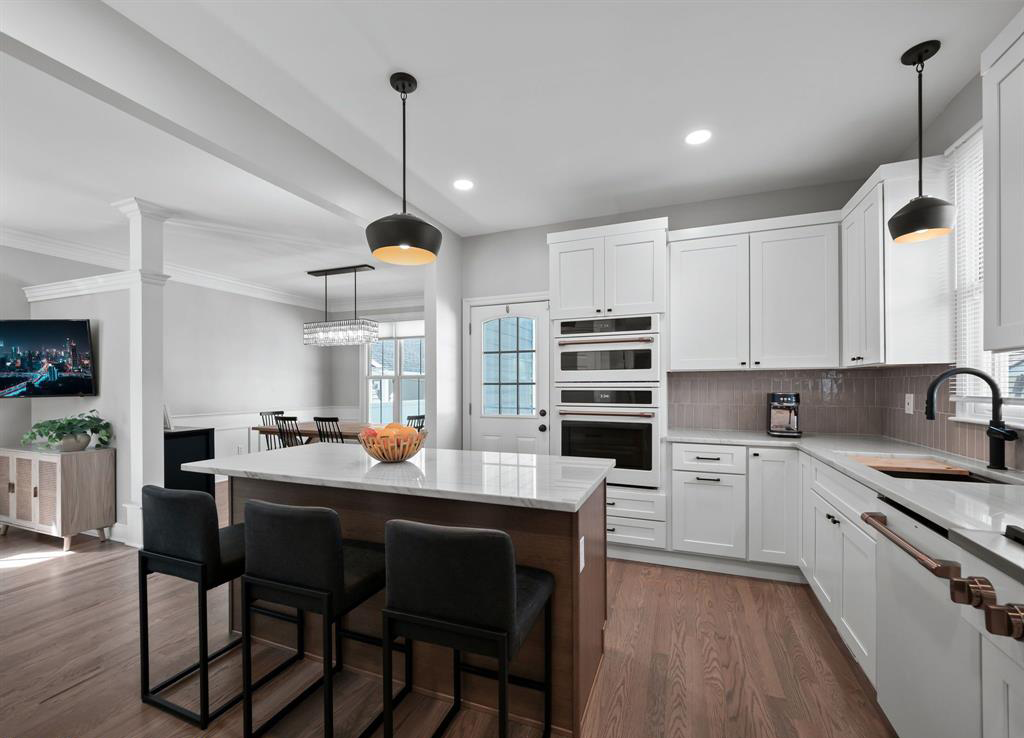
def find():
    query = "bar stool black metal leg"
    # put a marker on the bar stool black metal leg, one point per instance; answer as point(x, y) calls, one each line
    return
point(247, 662)
point(143, 626)
point(204, 661)
point(385, 674)
point(328, 629)
point(547, 669)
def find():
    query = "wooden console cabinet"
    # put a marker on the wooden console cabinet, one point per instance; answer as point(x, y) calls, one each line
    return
point(57, 493)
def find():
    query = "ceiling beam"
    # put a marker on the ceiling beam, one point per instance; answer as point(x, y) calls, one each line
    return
point(92, 47)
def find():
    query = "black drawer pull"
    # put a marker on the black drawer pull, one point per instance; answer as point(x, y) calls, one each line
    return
point(708, 458)
point(609, 503)
point(610, 530)
point(709, 479)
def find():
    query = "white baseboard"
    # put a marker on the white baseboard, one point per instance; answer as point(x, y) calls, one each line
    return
point(755, 569)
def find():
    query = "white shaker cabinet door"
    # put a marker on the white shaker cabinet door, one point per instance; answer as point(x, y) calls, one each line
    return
point(577, 278)
point(709, 304)
point(709, 513)
point(774, 490)
point(794, 297)
point(634, 273)
point(1002, 694)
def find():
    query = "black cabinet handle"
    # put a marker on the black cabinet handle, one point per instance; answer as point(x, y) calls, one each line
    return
point(608, 310)
point(599, 310)
point(609, 503)
point(835, 520)
point(756, 363)
point(755, 454)
point(709, 479)
point(828, 516)
point(708, 458)
point(743, 363)
point(610, 530)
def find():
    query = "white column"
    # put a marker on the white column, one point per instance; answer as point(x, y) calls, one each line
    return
point(145, 355)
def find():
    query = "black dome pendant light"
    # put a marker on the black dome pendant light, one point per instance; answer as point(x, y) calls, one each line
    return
point(403, 238)
point(923, 217)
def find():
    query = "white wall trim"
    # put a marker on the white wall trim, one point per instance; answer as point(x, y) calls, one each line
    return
point(749, 226)
point(468, 303)
point(1002, 43)
point(91, 285)
point(111, 259)
point(614, 229)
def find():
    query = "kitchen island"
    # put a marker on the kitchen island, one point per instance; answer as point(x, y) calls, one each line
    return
point(552, 507)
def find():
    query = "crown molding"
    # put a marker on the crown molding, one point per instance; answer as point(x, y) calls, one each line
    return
point(92, 285)
point(251, 234)
point(132, 206)
point(62, 249)
point(210, 281)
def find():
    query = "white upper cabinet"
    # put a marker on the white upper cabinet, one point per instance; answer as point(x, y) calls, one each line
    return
point(577, 278)
point(1002, 68)
point(709, 304)
point(862, 243)
point(794, 297)
point(609, 270)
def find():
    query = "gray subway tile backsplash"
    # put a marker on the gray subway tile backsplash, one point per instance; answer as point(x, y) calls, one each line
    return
point(866, 401)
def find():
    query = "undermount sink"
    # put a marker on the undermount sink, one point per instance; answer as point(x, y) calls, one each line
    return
point(939, 477)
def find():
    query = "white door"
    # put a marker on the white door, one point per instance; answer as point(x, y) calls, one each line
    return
point(509, 399)
point(794, 297)
point(577, 278)
point(853, 288)
point(1002, 694)
point(827, 556)
point(710, 304)
point(709, 513)
point(856, 621)
point(634, 273)
point(774, 475)
point(1003, 102)
point(863, 311)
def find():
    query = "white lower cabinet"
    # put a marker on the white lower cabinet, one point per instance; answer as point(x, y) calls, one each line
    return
point(634, 532)
point(773, 477)
point(709, 513)
point(806, 517)
point(1002, 694)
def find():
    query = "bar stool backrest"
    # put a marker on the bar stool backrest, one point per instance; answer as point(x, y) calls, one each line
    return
point(288, 430)
point(296, 545)
point(329, 430)
point(461, 575)
point(181, 523)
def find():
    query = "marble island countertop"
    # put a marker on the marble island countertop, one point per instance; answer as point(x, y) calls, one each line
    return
point(975, 514)
point(491, 477)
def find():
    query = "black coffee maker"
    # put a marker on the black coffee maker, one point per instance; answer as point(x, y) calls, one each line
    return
point(784, 414)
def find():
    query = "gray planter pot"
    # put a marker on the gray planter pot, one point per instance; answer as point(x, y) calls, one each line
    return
point(77, 442)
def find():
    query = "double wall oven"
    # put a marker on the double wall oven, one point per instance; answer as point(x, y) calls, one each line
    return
point(607, 396)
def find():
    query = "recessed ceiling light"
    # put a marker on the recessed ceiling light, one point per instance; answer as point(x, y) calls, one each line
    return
point(695, 138)
point(463, 184)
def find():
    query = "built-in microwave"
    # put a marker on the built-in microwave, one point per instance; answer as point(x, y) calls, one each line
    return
point(618, 422)
point(607, 350)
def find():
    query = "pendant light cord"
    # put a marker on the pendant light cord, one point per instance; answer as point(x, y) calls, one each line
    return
point(920, 129)
point(403, 151)
point(325, 298)
point(355, 295)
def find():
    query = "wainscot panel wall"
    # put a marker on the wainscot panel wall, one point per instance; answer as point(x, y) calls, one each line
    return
point(863, 401)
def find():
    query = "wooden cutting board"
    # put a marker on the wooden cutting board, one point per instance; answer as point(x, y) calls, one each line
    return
point(920, 466)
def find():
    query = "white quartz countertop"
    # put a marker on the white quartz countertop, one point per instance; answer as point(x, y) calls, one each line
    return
point(498, 478)
point(968, 510)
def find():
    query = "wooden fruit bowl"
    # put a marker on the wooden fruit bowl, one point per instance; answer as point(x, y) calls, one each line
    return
point(392, 448)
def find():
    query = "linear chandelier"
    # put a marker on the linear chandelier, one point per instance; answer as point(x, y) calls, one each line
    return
point(353, 332)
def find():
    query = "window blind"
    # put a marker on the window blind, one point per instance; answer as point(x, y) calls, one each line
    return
point(966, 173)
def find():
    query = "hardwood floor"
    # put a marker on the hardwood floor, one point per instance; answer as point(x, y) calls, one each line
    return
point(688, 655)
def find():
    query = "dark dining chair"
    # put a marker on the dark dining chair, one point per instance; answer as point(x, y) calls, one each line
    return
point(416, 421)
point(460, 588)
point(329, 430)
point(288, 431)
point(269, 417)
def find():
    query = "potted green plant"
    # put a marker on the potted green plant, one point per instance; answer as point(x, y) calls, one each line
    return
point(72, 433)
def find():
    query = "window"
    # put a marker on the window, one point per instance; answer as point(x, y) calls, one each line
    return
point(966, 179)
point(396, 373)
point(509, 366)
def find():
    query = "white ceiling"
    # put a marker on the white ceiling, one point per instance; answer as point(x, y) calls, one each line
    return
point(568, 110)
point(65, 156)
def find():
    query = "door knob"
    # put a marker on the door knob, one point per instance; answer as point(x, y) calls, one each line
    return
point(542, 413)
point(542, 428)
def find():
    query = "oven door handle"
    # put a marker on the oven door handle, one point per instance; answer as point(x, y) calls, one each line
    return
point(607, 341)
point(599, 412)
point(937, 567)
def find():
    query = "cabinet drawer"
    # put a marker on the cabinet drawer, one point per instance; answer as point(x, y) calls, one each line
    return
point(709, 458)
point(848, 496)
point(632, 503)
point(632, 532)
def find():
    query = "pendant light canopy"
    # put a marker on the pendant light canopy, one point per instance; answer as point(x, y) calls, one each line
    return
point(403, 238)
point(923, 217)
point(341, 332)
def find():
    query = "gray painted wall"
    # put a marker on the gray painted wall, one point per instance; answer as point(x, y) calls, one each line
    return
point(516, 261)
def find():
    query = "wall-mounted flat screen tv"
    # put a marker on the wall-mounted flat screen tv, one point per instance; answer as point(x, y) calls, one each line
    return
point(46, 358)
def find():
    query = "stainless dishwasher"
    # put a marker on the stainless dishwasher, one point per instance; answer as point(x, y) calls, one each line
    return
point(929, 657)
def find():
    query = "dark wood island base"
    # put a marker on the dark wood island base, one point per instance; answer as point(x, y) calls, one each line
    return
point(546, 539)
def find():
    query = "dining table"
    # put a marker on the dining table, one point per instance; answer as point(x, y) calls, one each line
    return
point(308, 431)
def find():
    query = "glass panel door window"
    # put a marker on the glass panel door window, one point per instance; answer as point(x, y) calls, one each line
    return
point(396, 377)
point(509, 366)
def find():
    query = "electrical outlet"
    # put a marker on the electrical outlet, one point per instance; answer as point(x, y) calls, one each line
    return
point(582, 548)
point(908, 404)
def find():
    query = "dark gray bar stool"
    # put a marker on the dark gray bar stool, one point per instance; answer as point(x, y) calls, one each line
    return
point(295, 556)
point(461, 588)
point(180, 538)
